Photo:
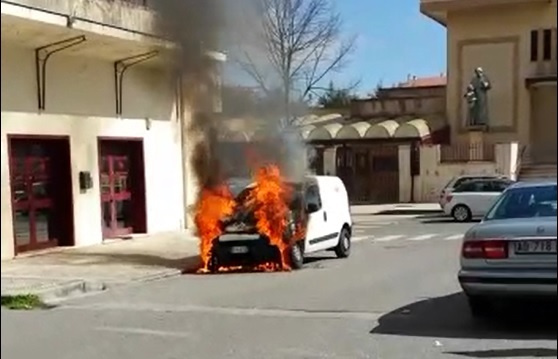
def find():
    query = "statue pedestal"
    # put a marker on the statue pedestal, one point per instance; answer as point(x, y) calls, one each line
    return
point(476, 146)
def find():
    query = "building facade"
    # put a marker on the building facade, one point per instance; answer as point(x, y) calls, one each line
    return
point(362, 147)
point(93, 143)
point(514, 42)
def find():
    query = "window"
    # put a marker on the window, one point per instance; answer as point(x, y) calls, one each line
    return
point(547, 44)
point(534, 45)
point(541, 38)
point(500, 186)
point(473, 186)
point(461, 180)
point(313, 196)
point(525, 203)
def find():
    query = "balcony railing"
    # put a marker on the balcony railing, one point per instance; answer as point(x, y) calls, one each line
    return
point(467, 152)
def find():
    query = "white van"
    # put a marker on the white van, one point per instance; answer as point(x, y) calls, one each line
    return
point(319, 201)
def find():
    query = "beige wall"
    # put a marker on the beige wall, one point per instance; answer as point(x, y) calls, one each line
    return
point(543, 124)
point(80, 103)
point(434, 175)
point(83, 86)
point(498, 40)
point(115, 13)
point(398, 107)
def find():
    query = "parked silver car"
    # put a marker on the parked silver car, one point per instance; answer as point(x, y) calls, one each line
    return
point(512, 252)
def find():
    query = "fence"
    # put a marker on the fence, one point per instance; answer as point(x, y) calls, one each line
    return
point(467, 152)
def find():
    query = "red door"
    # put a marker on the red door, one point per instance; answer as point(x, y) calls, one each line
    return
point(32, 196)
point(116, 195)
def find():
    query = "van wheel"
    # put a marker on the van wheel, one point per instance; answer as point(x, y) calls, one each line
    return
point(461, 213)
point(297, 256)
point(343, 248)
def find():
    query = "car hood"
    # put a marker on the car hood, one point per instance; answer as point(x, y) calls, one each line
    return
point(516, 227)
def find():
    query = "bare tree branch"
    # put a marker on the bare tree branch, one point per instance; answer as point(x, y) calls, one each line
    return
point(301, 43)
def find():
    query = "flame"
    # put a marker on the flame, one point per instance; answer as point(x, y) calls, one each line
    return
point(269, 196)
point(213, 205)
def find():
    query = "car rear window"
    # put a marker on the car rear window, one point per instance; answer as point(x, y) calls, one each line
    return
point(473, 186)
point(462, 180)
point(525, 202)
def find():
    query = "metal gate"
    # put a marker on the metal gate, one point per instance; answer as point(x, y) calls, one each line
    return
point(370, 172)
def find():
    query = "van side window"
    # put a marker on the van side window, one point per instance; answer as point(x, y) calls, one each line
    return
point(313, 196)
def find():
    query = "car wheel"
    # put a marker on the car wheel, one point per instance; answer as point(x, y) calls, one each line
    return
point(480, 307)
point(213, 265)
point(297, 256)
point(343, 248)
point(461, 213)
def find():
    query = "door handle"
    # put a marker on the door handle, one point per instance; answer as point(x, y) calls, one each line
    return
point(325, 216)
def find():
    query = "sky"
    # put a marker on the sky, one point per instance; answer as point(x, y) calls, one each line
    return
point(394, 40)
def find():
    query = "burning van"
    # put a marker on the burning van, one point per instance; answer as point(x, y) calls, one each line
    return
point(276, 227)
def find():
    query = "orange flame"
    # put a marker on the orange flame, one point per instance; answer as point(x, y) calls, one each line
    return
point(213, 205)
point(269, 196)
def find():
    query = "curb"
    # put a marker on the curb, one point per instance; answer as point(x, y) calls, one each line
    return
point(78, 287)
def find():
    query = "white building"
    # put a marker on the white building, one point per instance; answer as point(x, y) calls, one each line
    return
point(92, 144)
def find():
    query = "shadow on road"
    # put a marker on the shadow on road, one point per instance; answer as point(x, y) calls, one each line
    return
point(509, 353)
point(449, 317)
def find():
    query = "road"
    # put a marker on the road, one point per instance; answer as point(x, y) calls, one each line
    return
point(395, 297)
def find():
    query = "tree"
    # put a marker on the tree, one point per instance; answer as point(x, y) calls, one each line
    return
point(301, 43)
point(335, 97)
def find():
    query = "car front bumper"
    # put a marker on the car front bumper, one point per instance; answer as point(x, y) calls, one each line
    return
point(508, 282)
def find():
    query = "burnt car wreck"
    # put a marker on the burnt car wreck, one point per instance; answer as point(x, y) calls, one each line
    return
point(317, 218)
point(241, 245)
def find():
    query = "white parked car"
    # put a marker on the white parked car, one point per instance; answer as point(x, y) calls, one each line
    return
point(473, 198)
point(457, 181)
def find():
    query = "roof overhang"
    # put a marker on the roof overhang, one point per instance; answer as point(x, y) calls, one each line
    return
point(539, 81)
point(439, 9)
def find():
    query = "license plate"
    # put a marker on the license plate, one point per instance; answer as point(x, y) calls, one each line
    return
point(239, 250)
point(535, 247)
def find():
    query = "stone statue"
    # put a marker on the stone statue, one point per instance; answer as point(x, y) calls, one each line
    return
point(477, 99)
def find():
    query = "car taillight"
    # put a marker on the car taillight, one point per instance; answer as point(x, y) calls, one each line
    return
point(485, 249)
point(448, 197)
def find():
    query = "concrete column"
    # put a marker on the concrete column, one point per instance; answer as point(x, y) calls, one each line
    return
point(405, 178)
point(330, 165)
point(506, 157)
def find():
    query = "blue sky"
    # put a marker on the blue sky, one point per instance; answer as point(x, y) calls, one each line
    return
point(394, 39)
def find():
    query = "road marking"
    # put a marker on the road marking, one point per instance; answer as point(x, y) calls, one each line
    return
point(454, 237)
point(143, 331)
point(389, 238)
point(423, 237)
point(359, 238)
point(255, 312)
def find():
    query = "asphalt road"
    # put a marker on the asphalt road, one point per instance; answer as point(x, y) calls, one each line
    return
point(395, 297)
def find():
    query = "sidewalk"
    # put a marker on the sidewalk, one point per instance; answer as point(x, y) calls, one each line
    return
point(67, 272)
point(73, 271)
point(397, 209)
